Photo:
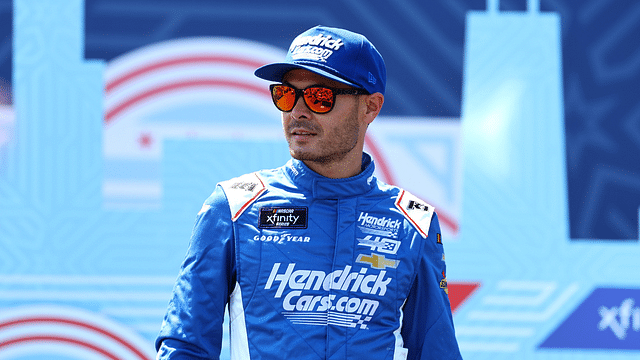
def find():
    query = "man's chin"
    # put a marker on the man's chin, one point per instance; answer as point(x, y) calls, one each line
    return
point(302, 155)
point(309, 156)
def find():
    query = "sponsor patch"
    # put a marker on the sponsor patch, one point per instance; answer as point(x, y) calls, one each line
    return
point(379, 225)
point(414, 205)
point(443, 284)
point(247, 186)
point(377, 261)
point(416, 211)
point(303, 305)
point(242, 192)
point(283, 218)
point(380, 244)
point(281, 238)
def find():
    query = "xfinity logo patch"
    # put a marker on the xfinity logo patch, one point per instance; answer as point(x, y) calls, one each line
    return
point(283, 218)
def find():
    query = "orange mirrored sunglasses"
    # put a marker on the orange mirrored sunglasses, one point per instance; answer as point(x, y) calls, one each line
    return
point(319, 99)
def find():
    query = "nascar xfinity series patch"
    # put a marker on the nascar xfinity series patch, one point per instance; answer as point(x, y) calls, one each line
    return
point(283, 218)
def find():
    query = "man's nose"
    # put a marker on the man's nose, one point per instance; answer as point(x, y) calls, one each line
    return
point(300, 109)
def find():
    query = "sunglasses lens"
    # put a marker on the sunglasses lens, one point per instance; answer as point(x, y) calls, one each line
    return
point(284, 97)
point(319, 99)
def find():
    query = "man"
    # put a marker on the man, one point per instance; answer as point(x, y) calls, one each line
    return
point(316, 259)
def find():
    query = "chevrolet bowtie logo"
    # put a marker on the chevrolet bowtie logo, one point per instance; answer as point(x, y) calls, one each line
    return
point(377, 261)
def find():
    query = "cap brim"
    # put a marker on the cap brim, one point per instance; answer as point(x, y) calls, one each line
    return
point(276, 71)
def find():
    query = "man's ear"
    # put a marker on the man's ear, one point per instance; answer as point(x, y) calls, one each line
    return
point(373, 105)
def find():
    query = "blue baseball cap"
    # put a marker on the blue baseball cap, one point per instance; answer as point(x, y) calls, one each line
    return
point(337, 54)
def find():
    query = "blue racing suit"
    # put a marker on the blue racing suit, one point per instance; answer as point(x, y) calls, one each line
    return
point(312, 268)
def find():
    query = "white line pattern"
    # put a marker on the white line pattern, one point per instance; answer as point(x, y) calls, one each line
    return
point(491, 329)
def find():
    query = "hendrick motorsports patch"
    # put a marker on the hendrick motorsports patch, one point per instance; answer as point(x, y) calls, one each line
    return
point(283, 218)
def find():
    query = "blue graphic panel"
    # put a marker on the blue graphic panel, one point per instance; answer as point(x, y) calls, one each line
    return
point(513, 128)
point(608, 319)
point(514, 227)
point(55, 175)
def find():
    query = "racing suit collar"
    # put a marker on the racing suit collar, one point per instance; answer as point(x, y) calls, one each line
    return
point(323, 187)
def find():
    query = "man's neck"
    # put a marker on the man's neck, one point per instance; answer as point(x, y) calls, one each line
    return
point(345, 168)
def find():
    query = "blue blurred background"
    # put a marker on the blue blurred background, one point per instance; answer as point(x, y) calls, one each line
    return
point(521, 126)
point(422, 42)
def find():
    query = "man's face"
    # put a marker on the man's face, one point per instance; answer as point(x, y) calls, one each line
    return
point(322, 138)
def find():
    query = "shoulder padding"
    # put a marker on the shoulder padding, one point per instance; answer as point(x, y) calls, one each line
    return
point(241, 192)
point(418, 212)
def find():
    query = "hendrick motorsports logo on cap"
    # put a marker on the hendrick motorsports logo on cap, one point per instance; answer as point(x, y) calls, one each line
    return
point(316, 48)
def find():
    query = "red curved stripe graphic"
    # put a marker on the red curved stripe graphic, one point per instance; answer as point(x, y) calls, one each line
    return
point(388, 177)
point(43, 319)
point(183, 85)
point(181, 61)
point(61, 339)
